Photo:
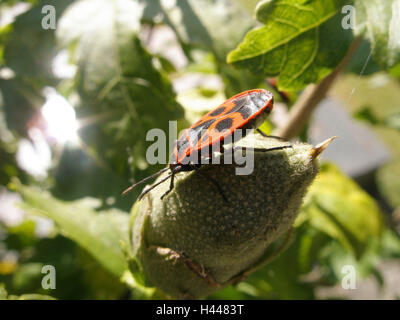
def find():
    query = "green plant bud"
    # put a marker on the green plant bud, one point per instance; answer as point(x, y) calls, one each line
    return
point(194, 242)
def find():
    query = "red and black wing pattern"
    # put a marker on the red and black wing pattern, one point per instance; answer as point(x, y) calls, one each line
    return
point(233, 114)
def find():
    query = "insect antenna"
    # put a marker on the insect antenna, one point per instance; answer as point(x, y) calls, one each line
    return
point(155, 185)
point(144, 180)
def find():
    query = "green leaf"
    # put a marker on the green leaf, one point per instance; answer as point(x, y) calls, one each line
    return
point(395, 71)
point(19, 101)
point(379, 21)
point(391, 244)
point(393, 121)
point(32, 296)
point(8, 148)
point(30, 49)
point(362, 63)
point(337, 206)
point(99, 233)
point(281, 278)
point(216, 26)
point(73, 165)
point(3, 292)
point(117, 83)
point(248, 4)
point(209, 24)
point(72, 263)
point(301, 42)
point(366, 114)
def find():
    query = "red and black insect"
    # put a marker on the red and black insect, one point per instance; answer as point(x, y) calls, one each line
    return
point(246, 110)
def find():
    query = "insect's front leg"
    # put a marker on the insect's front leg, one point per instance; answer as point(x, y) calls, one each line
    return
point(231, 151)
point(171, 186)
point(268, 136)
point(237, 148)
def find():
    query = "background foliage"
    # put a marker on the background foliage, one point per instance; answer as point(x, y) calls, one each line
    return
point(126, 81)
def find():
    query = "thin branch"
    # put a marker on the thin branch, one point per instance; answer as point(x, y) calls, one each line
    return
point(311, 97)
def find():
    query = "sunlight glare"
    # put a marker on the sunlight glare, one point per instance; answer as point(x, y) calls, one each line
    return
point(60, 117)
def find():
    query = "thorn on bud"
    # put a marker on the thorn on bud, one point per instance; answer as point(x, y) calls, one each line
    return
point(319, 148)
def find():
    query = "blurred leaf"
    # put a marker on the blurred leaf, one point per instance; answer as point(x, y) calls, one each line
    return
point(219, 27)
point(197, 104)
point(212, 25)
point(98, 233)
point(8, 165)
point(13, 2)
point(216, 26)
point(250, 5)
point(73, 265)
point(30, 49)
point(28, 276)
point(120, 89)
point(19, 101)
point(393, 121)
point(33, 296)
point(366, 114)
point(289, 277)
point(379, 21)
point(78, 175)
point(362, 62)
point(301, 42)
point(3, 292)
point(204, 62)
point(99, 282)
point(8, 149)
point(337, 206)
point(280, 279)
point(165, 64)
point(395, 71)
point(333, 257)
point(140, 292)
point(390, 244)
point(237, 81)
point(229, 293)
point(21, 236)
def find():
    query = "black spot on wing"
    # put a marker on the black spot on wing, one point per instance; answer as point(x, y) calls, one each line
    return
point(245, 112)
point(203, 125)
point(217, 111)
point(239, 103)
point(224, 124)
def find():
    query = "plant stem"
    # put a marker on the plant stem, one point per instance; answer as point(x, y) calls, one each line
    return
point(311, 97)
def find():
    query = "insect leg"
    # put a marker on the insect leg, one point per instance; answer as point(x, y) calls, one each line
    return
point(144, 180)
point(262, 133)
point(171, 185)
point(267, 136)
point(145, 191)
point(234, 148)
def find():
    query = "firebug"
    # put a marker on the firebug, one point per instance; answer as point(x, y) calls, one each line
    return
point(246, 110)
